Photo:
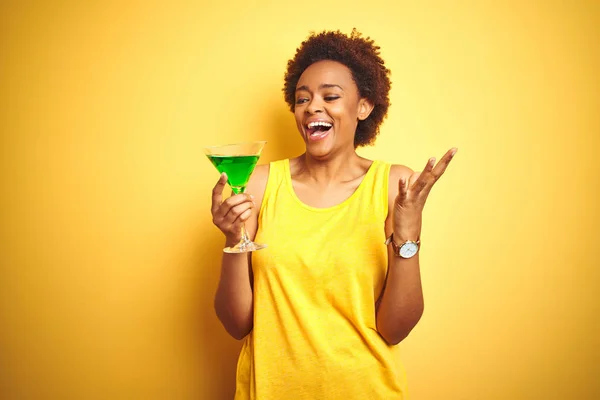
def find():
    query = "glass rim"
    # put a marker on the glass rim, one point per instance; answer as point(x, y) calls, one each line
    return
point(236, 144)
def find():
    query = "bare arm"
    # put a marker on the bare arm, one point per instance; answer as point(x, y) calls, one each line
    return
point(401, 304)
point(234, 296)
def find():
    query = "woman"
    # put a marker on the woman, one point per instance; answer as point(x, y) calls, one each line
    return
point(324, 306)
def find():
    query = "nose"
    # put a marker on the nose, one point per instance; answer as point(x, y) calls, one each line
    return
point(314, 106)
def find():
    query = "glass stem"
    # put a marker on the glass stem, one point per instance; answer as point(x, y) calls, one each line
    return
point(245, 239)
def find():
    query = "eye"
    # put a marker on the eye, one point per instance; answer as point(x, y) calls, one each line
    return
point(331, 98)
point(301, 100)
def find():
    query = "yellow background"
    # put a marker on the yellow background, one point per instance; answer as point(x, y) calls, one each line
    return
point(109, 261)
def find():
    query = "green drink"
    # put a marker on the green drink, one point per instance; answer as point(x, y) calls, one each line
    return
point(237, 168)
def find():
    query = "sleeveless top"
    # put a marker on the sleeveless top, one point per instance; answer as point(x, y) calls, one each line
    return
point(315, 288)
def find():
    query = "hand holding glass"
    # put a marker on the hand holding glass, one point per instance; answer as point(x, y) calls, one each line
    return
point(238, 162)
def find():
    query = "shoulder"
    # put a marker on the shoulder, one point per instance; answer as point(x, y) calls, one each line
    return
point(261, 172)
point(258, 181)
point(256, 187)
point(399, 171)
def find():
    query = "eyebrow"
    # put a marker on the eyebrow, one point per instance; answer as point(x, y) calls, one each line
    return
point(321, 86)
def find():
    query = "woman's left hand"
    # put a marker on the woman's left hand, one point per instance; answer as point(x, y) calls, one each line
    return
point(408, 207)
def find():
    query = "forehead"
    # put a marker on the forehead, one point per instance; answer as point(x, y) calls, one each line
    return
point(326, 72)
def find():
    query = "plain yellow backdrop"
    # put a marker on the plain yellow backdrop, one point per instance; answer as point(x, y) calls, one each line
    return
point(109, 260)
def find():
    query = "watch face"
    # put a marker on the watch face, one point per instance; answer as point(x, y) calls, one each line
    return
point(407, 250)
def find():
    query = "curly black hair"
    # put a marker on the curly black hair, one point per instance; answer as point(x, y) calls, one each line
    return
point(361, 56)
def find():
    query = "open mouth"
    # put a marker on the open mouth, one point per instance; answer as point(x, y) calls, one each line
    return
point(318, 129)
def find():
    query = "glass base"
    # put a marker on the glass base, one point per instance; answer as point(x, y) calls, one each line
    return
point(244, 247)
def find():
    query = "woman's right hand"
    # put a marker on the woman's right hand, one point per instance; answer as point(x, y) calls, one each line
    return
point(229, 215)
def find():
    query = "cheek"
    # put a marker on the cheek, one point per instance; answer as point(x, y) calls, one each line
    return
point(345, 114)
point(298, 118)
point(345, 111)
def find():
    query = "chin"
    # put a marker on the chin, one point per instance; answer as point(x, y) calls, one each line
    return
point(319, 152)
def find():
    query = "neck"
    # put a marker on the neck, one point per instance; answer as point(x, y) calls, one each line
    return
point(340, 168)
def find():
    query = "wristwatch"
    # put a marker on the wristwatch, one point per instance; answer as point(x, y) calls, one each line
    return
point(406, 250)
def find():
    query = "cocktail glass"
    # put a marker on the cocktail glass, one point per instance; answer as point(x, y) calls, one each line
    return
point(238, 162)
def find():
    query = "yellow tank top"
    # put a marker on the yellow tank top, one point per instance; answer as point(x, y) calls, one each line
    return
point(315, 288)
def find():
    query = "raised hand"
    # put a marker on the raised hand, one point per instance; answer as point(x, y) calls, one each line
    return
point(412, 195)
point(229, 215)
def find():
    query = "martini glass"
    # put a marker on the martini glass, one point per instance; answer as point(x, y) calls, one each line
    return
point(238, 162)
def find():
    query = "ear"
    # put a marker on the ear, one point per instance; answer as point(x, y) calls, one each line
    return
point(364, 109)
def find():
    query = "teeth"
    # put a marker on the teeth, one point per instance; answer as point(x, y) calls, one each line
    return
point(319, 123)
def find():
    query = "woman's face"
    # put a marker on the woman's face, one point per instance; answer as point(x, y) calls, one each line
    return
point(328, 107)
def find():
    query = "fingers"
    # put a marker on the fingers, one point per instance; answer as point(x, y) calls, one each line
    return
point(236, 211)
point(405, 187)
point(421, 183)
point(236, 225)
point(217, 193)
point(232, 222)
point(413, 178)
point(229, 215)
point(440, 168)
point(429, 166)
point(234, 205)
point(402, 190)
point(423, 178)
